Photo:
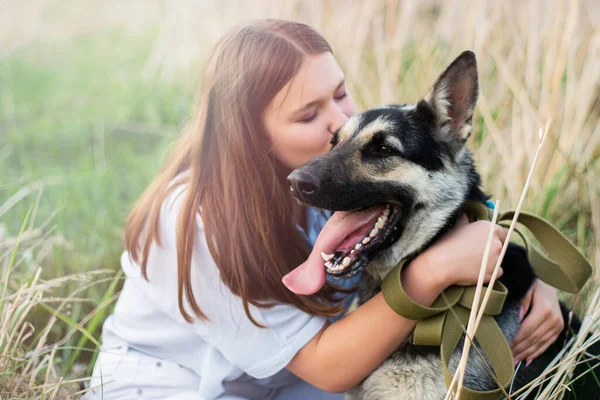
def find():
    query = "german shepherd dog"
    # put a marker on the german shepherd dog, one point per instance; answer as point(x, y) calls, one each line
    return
point(407, 170)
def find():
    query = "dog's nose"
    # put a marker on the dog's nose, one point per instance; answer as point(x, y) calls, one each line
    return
point(303, 184)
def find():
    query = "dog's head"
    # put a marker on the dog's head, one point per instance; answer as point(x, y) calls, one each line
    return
point(399, 172)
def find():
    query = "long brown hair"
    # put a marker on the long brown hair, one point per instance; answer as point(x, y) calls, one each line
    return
point(234, 178)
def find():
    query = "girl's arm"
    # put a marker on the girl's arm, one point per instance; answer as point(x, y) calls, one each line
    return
point(347, 351)
point(344, 353)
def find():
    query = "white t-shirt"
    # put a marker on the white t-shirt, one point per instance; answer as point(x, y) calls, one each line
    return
point(228, 346)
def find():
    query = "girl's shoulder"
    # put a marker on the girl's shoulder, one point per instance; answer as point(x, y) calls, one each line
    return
point(161, 264)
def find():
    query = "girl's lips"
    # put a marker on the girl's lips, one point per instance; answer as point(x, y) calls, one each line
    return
point(309, 277)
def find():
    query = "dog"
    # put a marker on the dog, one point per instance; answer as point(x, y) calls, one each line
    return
point(407, 165)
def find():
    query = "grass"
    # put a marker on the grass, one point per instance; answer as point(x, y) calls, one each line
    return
point(88, 132)
point(86, 116)
point(81, 135)
point(84, 122)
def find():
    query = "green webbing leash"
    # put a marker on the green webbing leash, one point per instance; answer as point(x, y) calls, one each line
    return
point(553, 258)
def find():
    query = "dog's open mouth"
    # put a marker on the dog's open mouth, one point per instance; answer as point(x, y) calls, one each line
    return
point(357, 248)
point(347, 243)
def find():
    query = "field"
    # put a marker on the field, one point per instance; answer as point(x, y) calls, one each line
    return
point(93, 94)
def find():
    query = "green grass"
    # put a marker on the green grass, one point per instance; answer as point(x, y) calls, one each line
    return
point(81, 116)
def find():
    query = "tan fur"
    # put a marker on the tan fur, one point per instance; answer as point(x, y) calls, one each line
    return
point(403, 379)
point(379, 125)
point(349, 128)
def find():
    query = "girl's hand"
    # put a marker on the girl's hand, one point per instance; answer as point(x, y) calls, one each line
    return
point(543, 324)
point(455, 258)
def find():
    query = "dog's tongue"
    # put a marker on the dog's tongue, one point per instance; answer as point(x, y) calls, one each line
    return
point(309, 277)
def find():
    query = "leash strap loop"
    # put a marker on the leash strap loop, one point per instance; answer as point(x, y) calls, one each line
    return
point(554, 260)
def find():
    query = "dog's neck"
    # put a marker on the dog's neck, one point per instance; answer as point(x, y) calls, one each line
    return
point(438, 213)
point(418, 233)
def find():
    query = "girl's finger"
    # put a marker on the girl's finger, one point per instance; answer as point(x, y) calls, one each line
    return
point(533, 322)
point(546, 342)
point(525, 304)
point(462, 220)
point(532, 342)
point(501, 232)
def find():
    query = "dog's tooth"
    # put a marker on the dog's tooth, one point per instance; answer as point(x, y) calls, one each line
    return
point(373, 233)
point(386, 212)
point(384, 218)
point(328, 264)
point(358, 246)
point(379, 224)
point(366, 240)
point(326, 256)
point(346, 261)
point(352, 251)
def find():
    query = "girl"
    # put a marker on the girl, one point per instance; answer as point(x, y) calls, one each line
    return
point(203, 313)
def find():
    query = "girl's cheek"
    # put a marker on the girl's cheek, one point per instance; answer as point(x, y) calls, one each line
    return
point(323, 138)
point(311, 136)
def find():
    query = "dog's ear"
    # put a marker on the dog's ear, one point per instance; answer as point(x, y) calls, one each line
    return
point(454, 94)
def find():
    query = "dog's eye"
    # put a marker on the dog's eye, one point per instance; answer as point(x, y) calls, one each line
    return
point(386, 151)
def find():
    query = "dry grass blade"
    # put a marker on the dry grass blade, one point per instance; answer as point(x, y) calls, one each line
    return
point(477, 313)
point(511, 228)
point(569, 357)
point(557, 385)
point(462, 367)
point(36, 373)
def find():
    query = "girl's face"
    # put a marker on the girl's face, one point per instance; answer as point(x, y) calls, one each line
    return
point(304, 115)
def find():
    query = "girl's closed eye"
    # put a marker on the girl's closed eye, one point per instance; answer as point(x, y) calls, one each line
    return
point(341, 94)
point(308, 118)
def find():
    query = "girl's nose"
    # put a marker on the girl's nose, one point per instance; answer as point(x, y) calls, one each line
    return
point(338, 118)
